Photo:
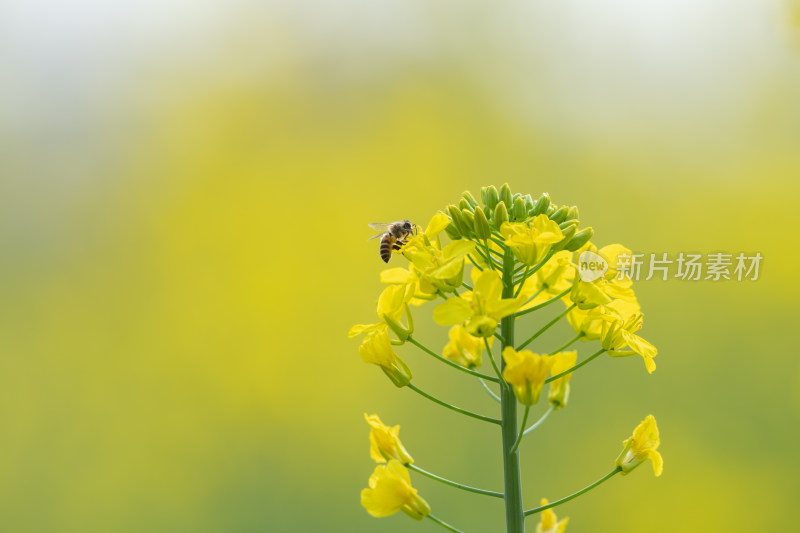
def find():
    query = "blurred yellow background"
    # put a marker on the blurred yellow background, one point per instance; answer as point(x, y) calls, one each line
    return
point(184, 195)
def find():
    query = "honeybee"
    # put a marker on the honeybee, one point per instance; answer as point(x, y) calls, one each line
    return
point(394, 236)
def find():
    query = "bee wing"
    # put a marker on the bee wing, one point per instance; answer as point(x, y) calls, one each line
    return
point(380, 226)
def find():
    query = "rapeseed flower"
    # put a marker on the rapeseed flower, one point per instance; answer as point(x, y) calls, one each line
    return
point(390, 491)
point(643, 444)
point(619, 340)
point(392, 304)
point(385, 442)
point(549, 522)
point(559, 388)
point(376, 348)
point(526, 371)
point(481, 308)
point(552, 278)
point(531, 241)
point(463, 348)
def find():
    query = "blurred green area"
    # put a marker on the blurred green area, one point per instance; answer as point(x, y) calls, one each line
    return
point(184, 251)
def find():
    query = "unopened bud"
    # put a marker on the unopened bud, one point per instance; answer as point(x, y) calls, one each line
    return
point(559, 215)
point(579, 239)
point(490, 197)
point(519, 211)
point(541, 205)
point(505, 195)
point(470, 199)
point(500, 214)
point(481, 224)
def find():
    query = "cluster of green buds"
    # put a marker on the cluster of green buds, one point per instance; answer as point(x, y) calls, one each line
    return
point(508, 256)
point(470, 220)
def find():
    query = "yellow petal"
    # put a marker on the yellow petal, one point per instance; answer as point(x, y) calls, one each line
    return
point(454, 311)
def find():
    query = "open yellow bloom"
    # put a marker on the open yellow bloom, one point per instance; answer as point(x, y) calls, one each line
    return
point(385, 442)
point(390, 491)
point(559, 388)
point(376, 348)
point(526, 371)
point(549, 523)
point(481, 308)
point(463, 348)
point(553, 278)
point(618, 334)
point(437, 269)
point(589, 322)
point(392, 304)
point(532, 241)
point(610, 286)
point(642, 445)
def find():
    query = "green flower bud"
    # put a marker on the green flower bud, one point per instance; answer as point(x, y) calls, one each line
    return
point(541, 205)
point(572, 213)
point(463, 204)
point(550, 210)
point(457, 219)
point(452, 232)
point(481, 224)
point(500, 215)
point(470, 199)
point(519, 211)
point(505, 195)
point(560, 214)
point(567, 223)
point(469, 221)
point(580, 238)
point(490, 197)
point(528, 199)
point(568, 232)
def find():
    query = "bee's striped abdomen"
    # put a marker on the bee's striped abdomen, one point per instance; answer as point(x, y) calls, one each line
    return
point(387, 242)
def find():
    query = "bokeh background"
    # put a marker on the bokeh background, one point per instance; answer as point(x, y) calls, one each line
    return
point(184, 193)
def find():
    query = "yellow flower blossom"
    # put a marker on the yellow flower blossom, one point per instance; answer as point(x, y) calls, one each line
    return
point(531, 241)
point(618, 334)
point(643, 444)
point(376, 348)
point(552, 278)
point(392, 304)
point(463, 348)
point(481, 308)
point(526, 371)
point(409, 278)
point(549, 522)
point(559, 388)
point(610, 286)
point(390, 491)
point(385, 442)
point(437, 269)
point(589, 322)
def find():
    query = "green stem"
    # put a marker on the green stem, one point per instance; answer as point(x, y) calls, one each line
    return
point(608, 476)
point(539, 422)
point(522, 428)
point(444, 524)
point(522, 281)
point(543, 304)
point(453, 483)
point(574, 368)
point(474, 262)
point(490, 391)
point(512, 480)
point(570, 343)
point(452, 407)
point(546, 327)
point(467, 286)
point(494, 363)
point(451, 363)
